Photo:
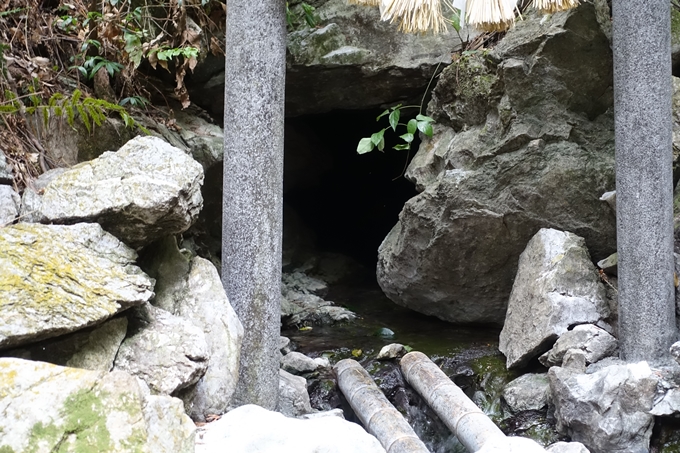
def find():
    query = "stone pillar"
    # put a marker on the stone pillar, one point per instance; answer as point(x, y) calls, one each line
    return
point(644, 180)
point(253, 186)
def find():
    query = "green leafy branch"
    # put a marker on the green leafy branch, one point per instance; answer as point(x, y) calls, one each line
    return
point(91, 111)
point(420, 123)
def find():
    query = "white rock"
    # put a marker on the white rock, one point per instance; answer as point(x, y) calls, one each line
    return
point(250, 429)
point(9, 204)
point(293, 395)
point(568, 447)
point(527, 392)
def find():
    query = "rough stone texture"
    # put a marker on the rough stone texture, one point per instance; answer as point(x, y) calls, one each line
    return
point(165, 351)
point(58, 279)
point(145, 190)
point(527, 392)
point(251, 428)
point(507, 158)
point(293, 395)
point(90, 349)
point(298, 363)
point(252, 203)
point(191, 289)
point(169, 429)
point(644, 180)
point(556, 287)
point(10, 203)
point(350, 43)
point(6, 173)
point(391, 351)
point(574, 360)
point(595, 342)
point(675, 351)
point(45, 408)
point(669, 404)
point(568, 447)
point(302, 303)
point(610, 199)
point(510, 445)
point(607, 411)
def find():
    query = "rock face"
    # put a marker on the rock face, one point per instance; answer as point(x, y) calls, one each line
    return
point(595, 342)
point(527, 392)
point(251, 428)
point(190, 288)
point(523, 142)
point(350, 43)
point(6, 173)
point(91, 349)
point(293, 396)
point(9, 205)
point(145, 190)
point(301, 304)
point(556, 287)
point(58, 279)
point(166, 352)
point(607, 411)
point(72, 410)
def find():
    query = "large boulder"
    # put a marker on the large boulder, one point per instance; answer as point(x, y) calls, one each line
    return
point(146, 190)
point(607, 411)
point(251, 428)
point(58, 279)
point(91, 349)
point(165, 351)
point(524, 141)
point(190, 288)
point(556, 287)
point(46, 407)
point(349, 43)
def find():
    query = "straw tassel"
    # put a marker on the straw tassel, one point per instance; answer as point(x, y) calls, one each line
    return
point(553, 6)
point(414, 16)
point(364, 2)
point(490, 15)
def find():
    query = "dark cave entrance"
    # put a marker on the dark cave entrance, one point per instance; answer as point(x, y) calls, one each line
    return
point(335, 200)
point(349, 201)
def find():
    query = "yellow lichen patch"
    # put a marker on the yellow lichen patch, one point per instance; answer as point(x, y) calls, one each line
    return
point(60, 278)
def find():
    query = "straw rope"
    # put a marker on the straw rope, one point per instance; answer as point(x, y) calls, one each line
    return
point(491, 15)
point(414, 16)
point(553, 6)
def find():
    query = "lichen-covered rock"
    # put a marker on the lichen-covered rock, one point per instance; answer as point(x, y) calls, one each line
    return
point(556, 287)
point(146, 190)
point(596, 343)
point(58, 279)
point(91, 349)
point(524, 141)
point(191, 289)
point(607, 411)
point(10, 203)
point(165, 351)
point(47, 408)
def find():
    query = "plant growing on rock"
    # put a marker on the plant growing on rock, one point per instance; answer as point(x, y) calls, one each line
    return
point(420, 123)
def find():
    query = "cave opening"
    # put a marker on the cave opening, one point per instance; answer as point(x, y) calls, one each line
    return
point(335, 200)
point(349, 201)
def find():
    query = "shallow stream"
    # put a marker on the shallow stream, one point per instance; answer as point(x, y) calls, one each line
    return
point(469, 355)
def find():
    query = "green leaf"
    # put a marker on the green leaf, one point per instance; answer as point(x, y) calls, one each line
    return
point(425, 127)
point(408, 138)
point(386, 112)
point(394, 119)
point(420, 117)
point(455, 19)
point(412, 127)
point(378, 137)
point(401, 146)
point(365, 146)
point(381, 144)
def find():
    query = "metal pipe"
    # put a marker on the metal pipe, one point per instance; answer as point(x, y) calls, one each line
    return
point(465, 420)
point(376, 413)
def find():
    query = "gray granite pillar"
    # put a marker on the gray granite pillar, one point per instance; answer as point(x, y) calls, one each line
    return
point(253, 184)
point(644, 182)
